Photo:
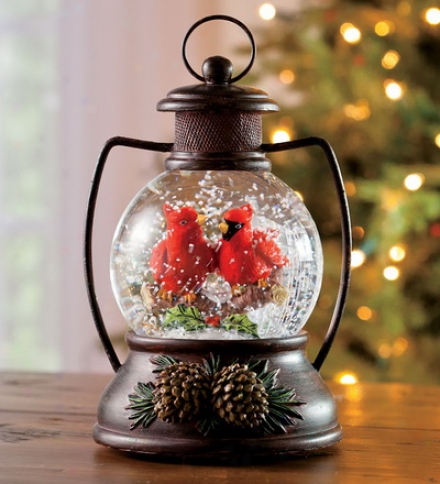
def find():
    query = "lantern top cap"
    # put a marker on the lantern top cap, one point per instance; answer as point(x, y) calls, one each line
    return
point(217, 91)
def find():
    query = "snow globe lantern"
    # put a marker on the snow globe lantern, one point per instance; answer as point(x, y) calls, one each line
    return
point(216, 266)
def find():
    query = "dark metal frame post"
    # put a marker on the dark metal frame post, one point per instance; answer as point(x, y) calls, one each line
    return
point(346, 233)
point(88, 239)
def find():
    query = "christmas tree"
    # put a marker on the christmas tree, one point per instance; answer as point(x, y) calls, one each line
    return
point(364, 74)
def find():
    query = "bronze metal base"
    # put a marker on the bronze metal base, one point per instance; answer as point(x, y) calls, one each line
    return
point(319, 427)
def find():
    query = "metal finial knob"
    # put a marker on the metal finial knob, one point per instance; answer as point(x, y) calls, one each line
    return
point(217, 70)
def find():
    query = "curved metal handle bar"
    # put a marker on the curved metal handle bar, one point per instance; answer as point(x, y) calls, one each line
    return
point(346, 234)
point(88, 239)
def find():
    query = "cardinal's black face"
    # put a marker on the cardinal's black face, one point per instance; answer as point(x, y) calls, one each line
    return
point(229, 228)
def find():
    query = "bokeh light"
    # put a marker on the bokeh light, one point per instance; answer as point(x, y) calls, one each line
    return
point(432, 16)
point(287, 76)
point(364, 313)
point(347, 378)
point(350, 33)
point(267, 11)
point(391, 273)
point(280, 135)
point(397, 253)
point(383, 28)
point(358, 257)
point(390, 59)
point(393, 89)
point(414, 181)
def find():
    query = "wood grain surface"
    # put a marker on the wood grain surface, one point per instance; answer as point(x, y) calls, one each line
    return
point(391, 434)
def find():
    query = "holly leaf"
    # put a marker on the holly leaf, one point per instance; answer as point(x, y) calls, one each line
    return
point(186, 317)
point(240, 323)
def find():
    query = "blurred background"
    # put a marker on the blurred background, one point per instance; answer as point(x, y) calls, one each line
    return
point(363, 74)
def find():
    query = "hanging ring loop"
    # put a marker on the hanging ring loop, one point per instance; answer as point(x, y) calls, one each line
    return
point(227, 19)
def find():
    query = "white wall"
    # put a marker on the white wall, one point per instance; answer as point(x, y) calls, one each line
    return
point(116, 60)
point(121, 58)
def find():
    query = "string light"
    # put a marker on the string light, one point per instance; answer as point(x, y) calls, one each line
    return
point(432, 16)
point(434, 230)
point(393, 89)
point(287, 76)
point(347, 378)
point(391, 273)
point(364, 313)
point(391, 199)
point(358, 232)
point(350, 188)
point(357, 258)
point(383, 28)
point(280, 135)
point(414, 181)
point(390, 59)
point(400, 346)
point(359, 111)
point(404, 8)
point(437, 140)
point(397, 253)
point(384, 350)
point(350, 33)
point(267, 11)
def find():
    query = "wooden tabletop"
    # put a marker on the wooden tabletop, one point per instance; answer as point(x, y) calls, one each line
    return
point(391, 434)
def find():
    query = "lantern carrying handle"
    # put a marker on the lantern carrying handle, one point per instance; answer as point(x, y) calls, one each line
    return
point(88, 238)
point(345, 232)
point(227, 18)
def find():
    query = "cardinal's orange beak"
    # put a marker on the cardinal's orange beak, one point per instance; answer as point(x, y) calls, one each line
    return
point(201, 219)
point(224, 227)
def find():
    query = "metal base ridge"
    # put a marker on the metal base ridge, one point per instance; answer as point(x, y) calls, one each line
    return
point(283, 359)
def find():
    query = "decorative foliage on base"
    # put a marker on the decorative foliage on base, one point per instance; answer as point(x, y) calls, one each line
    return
point(240, 395)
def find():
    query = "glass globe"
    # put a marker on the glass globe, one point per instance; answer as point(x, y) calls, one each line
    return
point(216, 255)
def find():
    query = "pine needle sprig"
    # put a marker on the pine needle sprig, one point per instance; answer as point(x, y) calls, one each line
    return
point(259, 366)
point(162, 361)
point(208, 424)
point(142, 406)
point(281, 399)
point(281, 412)
point(269, 379)
point(212, 364)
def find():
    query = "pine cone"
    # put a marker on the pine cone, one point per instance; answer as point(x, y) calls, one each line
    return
point(181, 392)
point(239, 396)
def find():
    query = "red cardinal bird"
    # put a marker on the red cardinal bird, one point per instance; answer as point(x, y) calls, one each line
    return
point(182, 261)
point(247, 256)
